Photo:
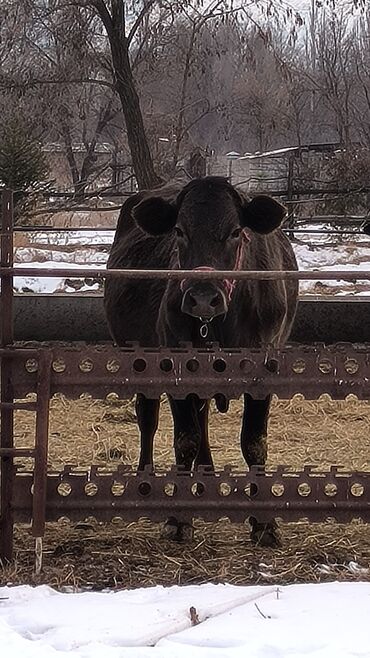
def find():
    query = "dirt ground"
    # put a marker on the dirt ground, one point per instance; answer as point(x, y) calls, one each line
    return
point(94, 555)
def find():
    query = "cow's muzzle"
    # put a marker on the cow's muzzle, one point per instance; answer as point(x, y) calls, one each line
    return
point(204, 300)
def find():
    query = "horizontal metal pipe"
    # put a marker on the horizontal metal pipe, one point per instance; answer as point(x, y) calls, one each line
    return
point(317, 219)
point(64, 229)
point(16, 354)
point(17, 452)
point(19, 406)
point(314, 231)
point(328, 232)
point(342, 275)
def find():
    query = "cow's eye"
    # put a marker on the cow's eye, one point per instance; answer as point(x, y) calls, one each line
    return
point(236, 233)
point(179, 232)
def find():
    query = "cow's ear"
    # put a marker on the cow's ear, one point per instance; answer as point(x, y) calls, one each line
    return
point(155, 215)
point(263, 214)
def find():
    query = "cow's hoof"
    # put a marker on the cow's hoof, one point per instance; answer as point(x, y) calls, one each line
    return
point(265, 535)
point(174, 530)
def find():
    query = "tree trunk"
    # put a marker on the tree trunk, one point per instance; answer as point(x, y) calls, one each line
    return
point(114, 23)
point(181, 115)
point(141, 157)
point(66, 134)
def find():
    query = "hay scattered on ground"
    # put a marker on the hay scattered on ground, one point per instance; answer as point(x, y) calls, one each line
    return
point(95, 555)
point(321, 432)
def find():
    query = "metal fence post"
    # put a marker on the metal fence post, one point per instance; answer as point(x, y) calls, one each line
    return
point(6, 412)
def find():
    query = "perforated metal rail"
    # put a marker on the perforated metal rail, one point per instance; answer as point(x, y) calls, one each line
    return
point(312, 494)
point(103, 369)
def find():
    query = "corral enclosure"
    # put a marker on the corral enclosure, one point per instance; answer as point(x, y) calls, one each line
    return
point(98, 100)
point(96, 554)
point(277, 103)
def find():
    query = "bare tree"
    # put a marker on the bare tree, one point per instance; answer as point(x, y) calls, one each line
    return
point(361, 61)
point(334, 77)
point(52, 55)
point(126, 39)
point(158, 78)
point(121, 37)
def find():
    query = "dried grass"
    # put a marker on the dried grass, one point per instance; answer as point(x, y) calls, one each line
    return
point(321, 432)
point(96, 555)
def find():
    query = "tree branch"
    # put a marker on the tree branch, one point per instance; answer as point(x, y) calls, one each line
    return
point(145, 9)
point(102, 11)
point(60, 81)
point(209, 110)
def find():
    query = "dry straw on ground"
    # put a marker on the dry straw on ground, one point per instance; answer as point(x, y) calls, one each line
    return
point(97, 555)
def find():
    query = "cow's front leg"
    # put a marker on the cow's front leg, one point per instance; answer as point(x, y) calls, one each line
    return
point(147, 412)
point(187, 443)
point(254, 449)
point(187, 430)
point(204, 457)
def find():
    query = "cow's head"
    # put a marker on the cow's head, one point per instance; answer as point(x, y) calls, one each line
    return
point(211, 221)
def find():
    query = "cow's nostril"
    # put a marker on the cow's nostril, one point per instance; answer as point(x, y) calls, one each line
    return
point(203, 303)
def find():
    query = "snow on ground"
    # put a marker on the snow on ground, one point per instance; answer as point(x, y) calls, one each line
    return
point(328, 257)
point(48, 285)
point(90, 249)
point(79, 256)
point(73, 237)
point(296, 621)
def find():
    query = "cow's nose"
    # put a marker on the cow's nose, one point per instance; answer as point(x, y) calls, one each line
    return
point(204, 303)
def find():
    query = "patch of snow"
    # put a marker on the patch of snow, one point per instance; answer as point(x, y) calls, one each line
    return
point(355, 568)
point(77, 256)
point(352, 568)
point(348, 256)
point(73, 237)
point(313, 252)
point(48, 285)
point(266, 154)
point(296, 621)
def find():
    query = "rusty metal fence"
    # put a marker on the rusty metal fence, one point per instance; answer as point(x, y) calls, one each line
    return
point(99, 370)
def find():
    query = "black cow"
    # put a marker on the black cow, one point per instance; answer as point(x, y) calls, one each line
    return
point(207, 224)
